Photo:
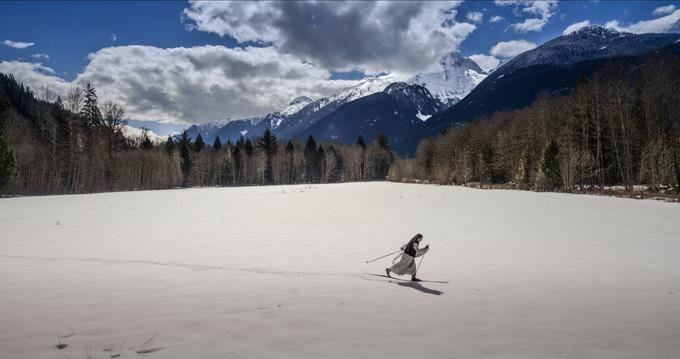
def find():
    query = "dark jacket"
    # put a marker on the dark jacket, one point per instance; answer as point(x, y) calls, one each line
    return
point(409, 247)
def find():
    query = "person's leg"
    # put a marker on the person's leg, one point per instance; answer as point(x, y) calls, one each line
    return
point(412, 269)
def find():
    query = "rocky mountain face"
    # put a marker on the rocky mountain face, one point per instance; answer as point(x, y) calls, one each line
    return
point(454, 80)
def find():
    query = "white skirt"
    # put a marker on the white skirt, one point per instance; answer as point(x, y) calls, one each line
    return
point(405, 265)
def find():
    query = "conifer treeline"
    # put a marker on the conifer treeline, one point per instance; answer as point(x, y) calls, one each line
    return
point(620, 126)
point(76, 145)
point(264, 161)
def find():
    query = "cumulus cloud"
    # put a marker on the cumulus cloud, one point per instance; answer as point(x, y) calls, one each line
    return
point(17, 44)
point(511, 48)
point(35, 76)
point(372, 37)
point(539, 13)
point(658, 25)
point(575, 26)
point(486, 62)
point(475, 16)
point(496, 18)
point(663, 10)
point(194, 85)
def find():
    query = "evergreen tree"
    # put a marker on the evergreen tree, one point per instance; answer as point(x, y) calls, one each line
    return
point(146, 141)
point(170, 146)
point(290, 161)
point(198, 143)
point(311, 160)
point(383, 141)
point(270, 146)
point(8, 162)
point(185, 153)
point(90, 111)
point(383, 159)
point(361, 143)
point(549, 167)
point(362, 158)
point(217, 144)
point(248, 146)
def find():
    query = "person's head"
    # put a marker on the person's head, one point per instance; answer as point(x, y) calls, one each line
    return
point(418, 237)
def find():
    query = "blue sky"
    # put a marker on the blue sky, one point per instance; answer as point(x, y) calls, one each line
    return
point(221, 51)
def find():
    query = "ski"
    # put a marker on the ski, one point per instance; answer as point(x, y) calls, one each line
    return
point(408, 280)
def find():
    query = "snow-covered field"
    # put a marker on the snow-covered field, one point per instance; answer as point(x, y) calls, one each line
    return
point(279, 272)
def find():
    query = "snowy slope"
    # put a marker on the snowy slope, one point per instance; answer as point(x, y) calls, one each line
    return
point(456, 78)
point(588, 43)
point(532, 275)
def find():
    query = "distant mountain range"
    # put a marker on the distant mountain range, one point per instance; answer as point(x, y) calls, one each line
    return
point(456, 78)
point(408, 109)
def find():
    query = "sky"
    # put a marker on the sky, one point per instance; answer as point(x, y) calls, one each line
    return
point(176, 63)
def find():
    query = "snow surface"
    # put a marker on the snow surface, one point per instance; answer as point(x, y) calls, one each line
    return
point(279, 272)
point(423, 117)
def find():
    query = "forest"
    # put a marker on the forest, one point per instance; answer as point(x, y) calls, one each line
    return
point(76, 145)
point(618, 127)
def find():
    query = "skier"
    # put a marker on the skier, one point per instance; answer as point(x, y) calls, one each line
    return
point(407, 261)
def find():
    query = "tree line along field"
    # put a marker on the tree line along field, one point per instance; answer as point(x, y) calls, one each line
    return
point(619, 127)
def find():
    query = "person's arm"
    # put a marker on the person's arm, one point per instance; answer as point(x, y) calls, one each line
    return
point(420, 252)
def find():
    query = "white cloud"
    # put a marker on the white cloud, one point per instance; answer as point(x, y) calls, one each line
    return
point(17, 44)
point(114, 37)
point(41, 56)
point(35, 76)
point(486, 62)
point(475, 16)
point(195, 85)
point(543, 9)
point(662, 10)
point(658, 25)
point(575, 26)
point(511, 48)
point(372, 37)
point(496, 18)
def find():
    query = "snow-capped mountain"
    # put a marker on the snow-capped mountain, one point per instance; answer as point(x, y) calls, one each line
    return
point(588, 43)
point(456, 78)
point(296, 105)
point(135, 133)
point(552, 68)
point(395, 111)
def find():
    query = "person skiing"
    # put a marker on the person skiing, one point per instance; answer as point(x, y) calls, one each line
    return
point(405, 263)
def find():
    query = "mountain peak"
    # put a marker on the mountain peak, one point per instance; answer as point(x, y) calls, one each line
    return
point(455, 60)
point(598, 31)
point(296, 105)
point(457, 76)
point(300, 99)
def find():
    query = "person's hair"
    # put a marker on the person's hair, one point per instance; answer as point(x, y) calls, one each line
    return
point(416, 237)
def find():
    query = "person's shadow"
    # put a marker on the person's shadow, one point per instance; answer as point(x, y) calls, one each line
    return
point(419, 287)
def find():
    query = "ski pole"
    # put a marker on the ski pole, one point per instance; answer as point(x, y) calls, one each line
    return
point(421, 262)
point(373, 260)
